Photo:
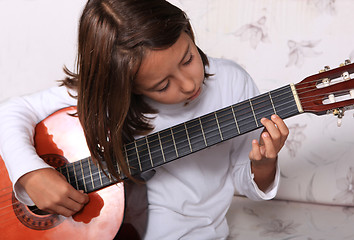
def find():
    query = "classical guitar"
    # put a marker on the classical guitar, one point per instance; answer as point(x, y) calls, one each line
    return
point(59, 140)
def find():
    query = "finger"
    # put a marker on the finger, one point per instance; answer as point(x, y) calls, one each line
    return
point(271, 128)
point(72, 205)
point(270, 151)
point(66, 212)
point(79, 196)
point(284, 130)
point(255, 153)
point(58, 209)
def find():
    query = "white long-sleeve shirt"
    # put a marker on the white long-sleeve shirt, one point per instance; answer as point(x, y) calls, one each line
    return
point(188, 198)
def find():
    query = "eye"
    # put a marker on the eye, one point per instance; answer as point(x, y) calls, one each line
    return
point(165, 87)
point(189, 60)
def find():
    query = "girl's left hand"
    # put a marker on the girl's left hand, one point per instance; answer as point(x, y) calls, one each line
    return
point(272, 139)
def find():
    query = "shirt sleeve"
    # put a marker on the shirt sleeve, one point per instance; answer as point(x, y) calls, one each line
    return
point(241, 172)
point(18, 118)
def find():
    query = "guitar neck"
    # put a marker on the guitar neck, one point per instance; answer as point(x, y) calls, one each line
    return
point(186, 138)
point(194, 135)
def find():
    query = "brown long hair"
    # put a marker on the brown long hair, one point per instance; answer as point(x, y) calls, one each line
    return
point(113, 38)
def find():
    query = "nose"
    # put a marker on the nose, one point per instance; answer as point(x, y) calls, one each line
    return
point(186, 83)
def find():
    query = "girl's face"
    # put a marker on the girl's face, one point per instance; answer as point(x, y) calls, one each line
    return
point(173, 75)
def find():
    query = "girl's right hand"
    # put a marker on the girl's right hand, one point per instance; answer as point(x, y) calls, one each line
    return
point(51, 192)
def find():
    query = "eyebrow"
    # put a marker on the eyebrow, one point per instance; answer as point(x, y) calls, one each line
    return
point(184, 55)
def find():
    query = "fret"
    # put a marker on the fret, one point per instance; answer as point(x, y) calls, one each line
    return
point(127, 158)
point(217, 123)
point(244, 115)
point(211, 130)
point(271, 100)
point(148, 148)
point(71, 177)
point(106, 178)
point(143, 154)
point(90, 172)
point(138, 155)
point(263, 107)
point(109, 177)
point(76, 178)
point(118, 167)
point(157, 157)
point(169, 147)
point(227, 123)
point(201, 127)
point(163, 155)
point(64, 170)
point(189, 142)
point(196, 137)
point(284, 102)
point(83, 175)
point(95, 174)
point(233, 113)
point(79, 175)
point(254, 114)
point(288, 111)
point(86, 168)
point(174, 142)
point(132, 158)
point(179, 133)
point(99, 175)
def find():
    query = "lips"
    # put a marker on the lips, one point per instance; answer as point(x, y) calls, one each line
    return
point(195, 95)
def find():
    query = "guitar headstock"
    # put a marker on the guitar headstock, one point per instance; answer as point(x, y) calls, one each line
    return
point(330, 91)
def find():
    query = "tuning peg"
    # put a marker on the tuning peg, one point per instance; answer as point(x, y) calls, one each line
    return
point(346, 76)
point(339, 112)
point(326, 68)
point(346, 62)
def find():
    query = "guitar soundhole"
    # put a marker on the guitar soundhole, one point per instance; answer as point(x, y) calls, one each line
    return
point(34, 218)
point(37, 211)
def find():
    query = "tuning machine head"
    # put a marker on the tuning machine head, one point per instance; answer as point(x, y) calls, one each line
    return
point(339, 112)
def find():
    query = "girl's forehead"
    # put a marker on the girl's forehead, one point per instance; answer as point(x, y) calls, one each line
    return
point(158, 64)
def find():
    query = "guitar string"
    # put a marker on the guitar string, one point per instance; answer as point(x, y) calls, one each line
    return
point(94, 175)
point(132, 165)
point(227, 109)
point(263, 95)
point(197, 136)
point(213, 119)
point(224, 109)
point(238, 116)
point(89, 181)
point(79, 179)
point(97, 173)
point(206, 128)
point(83, 177)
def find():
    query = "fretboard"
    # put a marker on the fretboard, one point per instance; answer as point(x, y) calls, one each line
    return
point(156, 149)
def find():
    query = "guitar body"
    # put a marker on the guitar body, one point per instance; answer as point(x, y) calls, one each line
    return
point(59, 139)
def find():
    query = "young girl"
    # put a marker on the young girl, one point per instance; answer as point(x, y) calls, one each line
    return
point(139, 71)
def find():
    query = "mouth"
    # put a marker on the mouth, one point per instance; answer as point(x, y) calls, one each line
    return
point(195, 95)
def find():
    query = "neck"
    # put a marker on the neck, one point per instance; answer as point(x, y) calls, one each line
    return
point(186, 138)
